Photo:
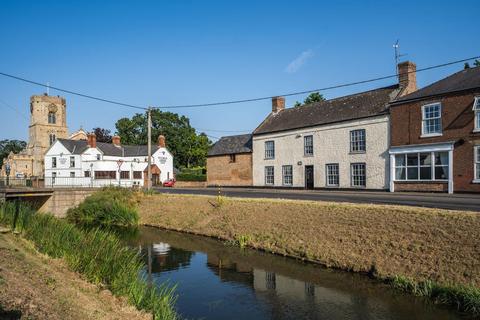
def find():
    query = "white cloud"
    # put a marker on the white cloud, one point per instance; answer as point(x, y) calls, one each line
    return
point(299, 61)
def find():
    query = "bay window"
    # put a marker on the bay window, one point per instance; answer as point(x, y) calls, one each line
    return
point(421, 166)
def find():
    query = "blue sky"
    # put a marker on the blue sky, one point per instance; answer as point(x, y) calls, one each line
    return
point(182, 52)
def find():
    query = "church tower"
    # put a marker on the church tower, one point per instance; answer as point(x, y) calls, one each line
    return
point(48, 122)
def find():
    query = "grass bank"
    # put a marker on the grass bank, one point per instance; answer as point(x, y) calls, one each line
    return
point(429, 252)
point(97, 255)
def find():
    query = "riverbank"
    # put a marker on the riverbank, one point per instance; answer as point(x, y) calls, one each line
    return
point(437, 247)
point(38, 287)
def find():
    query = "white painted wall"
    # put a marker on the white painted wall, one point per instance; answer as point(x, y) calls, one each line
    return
point(88, 161)
point(331, 144)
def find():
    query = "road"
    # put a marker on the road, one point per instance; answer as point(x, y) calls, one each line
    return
point(432, 200)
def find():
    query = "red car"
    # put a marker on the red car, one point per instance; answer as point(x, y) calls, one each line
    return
point(169, 183)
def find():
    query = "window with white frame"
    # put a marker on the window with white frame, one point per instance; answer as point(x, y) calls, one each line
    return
point(432, 119)
point(308, 145)
point(333, 177)
point(287, 174)
point(72, 162)
point(269, 149)
point(421, 166)
point(269, 175)
point(358, 174)
point(476, 152)
point(357, 141)
point(54, 162)
point(476, 110)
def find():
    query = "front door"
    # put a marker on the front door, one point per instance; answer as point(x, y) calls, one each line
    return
point(308, 177)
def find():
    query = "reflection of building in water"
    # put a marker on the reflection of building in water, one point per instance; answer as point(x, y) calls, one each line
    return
point(165, 258)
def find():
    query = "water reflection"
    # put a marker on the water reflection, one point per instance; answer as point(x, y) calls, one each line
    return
point(221, 282)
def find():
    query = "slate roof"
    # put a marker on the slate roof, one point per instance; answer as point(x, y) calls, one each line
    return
point(351, 107)
point(460, 81)
point(108, 149)
point(232, 145)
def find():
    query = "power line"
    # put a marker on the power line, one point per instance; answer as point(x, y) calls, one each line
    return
point(211, 104)
point(14, 109)
point(73, 92)
point(224, 131)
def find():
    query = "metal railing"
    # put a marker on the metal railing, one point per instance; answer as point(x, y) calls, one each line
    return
point(67, 182)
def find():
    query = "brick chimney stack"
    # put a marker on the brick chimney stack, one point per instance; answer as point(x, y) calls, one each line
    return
point(407, 77)
point(161, 141)
point(92, 140)
point(116, 141)
point(278, 104)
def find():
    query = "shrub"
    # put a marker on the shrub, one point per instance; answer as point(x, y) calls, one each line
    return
point(98, 255)
point(109, 206)
point(190, 177)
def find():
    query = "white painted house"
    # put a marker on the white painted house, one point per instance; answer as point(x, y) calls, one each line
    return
point(89, 163)
point(339, 143)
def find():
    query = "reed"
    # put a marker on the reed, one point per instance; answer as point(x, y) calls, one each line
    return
point(98, 255)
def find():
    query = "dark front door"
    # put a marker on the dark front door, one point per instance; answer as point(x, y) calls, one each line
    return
point(308, 177)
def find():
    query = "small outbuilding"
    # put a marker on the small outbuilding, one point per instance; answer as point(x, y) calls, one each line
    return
point(229, 161)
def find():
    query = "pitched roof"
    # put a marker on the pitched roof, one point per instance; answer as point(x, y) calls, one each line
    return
point(108, 149)
point(232, 145)
point(459, 81)
point(351, 107)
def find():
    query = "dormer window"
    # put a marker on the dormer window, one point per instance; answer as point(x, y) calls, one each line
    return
point(432, 120)
point(52, 118)
point(476, 110)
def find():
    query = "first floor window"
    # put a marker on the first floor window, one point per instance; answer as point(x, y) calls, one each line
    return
point(99, 156)
point(333, 177)
point(86, 174)
point(357, 141)
point(421, 166)
point(72, 162)
point(476, 110)
point(269, 149)
point(232, 158)
point(102, 175)
point(269, 175)
point(432, 119)
point(72, 174)
point(287, 172)
point(124, 175)
point(137, 174)
point(308, 145)
point(358, 175)
point(477, 162)
point(54, 162)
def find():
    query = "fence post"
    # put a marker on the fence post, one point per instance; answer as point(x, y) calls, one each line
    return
point(17, 212)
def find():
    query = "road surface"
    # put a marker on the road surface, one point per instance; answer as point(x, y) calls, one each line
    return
point(432, 200)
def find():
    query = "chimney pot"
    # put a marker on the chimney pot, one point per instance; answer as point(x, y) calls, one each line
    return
point(92, 140)
point(407, 77)
point(278, 104)
point(161, 141)
point(116, 140)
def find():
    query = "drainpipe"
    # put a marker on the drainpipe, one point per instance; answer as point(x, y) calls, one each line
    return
point(392, 172)
point(450, 171)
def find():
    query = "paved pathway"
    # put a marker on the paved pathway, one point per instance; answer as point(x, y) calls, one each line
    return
point(432, 200)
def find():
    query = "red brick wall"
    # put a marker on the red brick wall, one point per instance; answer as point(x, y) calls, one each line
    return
point(457, 123)
point(421, 186)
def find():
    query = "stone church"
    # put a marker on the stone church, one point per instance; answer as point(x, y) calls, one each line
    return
point(48, 122)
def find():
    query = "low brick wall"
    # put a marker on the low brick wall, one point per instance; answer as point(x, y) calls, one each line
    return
point(190, 184)
point(421, 186)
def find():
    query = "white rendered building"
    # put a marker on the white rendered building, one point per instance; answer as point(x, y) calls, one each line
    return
point(88, 163)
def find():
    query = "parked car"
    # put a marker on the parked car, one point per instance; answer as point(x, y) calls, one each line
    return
point(169, 183)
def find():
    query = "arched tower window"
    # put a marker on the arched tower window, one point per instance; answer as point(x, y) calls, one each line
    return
point(52, 138)
point(52, 118)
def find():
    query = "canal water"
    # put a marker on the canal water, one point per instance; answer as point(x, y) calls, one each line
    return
point(216, 281)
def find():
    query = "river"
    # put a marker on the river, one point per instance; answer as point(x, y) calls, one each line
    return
point(217, 281)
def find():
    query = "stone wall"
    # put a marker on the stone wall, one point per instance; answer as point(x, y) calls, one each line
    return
point(225, 171)
point(64, 199)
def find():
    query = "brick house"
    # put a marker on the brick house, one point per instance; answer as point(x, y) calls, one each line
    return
point(435, 136)
point(229, 161)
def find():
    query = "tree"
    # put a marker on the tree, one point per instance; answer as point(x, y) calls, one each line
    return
point(466, 65)
point(476, 63)
point(297, 104)
point(188, 147)
point(7, 146)
point(103, 135)
point(312, 97)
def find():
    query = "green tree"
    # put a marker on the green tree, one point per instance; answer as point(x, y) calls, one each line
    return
point(466, 65)
point(103, 135)
point(313, 97)
point(7, 146)
point(297, 104)
point(476, 63)
point(188, 148)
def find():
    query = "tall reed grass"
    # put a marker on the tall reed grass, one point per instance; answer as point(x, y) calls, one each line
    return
point(95, 253)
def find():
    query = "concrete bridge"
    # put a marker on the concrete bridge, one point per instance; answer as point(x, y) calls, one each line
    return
point(53, 200)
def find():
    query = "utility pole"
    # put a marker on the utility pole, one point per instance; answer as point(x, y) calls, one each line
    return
point(149, 147)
